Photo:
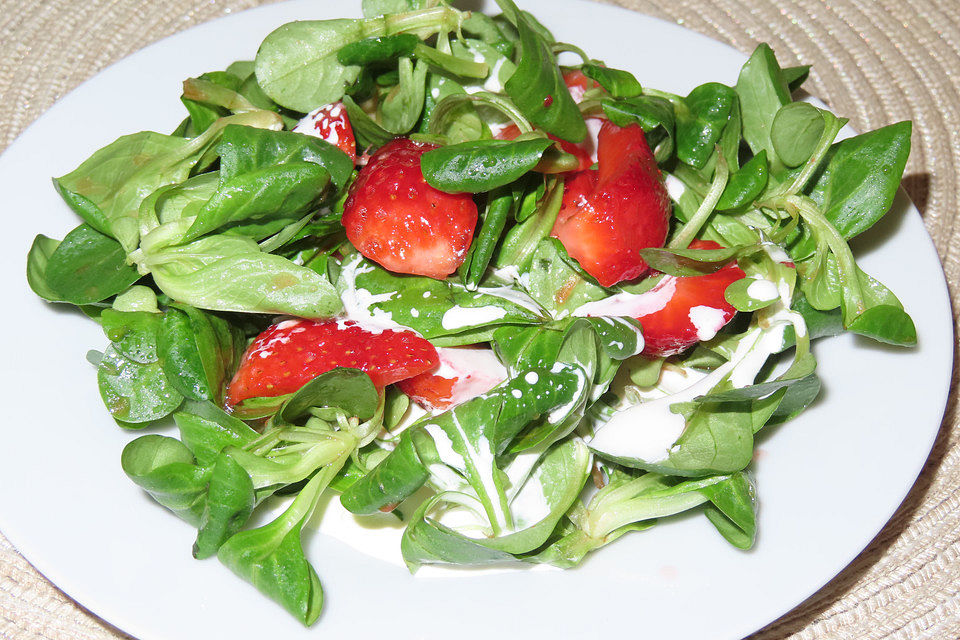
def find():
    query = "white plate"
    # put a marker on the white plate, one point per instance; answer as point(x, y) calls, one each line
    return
point(828, 481)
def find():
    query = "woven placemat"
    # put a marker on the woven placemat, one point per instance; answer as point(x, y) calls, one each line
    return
point(875, 61)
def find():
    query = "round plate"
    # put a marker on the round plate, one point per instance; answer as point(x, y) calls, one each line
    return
point(828, 481)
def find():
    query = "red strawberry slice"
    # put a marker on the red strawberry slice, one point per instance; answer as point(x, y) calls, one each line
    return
point(288, 355)
point(393, 217)
point(609, 214)
point(330, 123)
point(678, 312)
point(463, 373)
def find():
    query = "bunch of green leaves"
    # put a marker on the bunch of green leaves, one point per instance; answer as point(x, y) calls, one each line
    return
point(204, 237)
point(221, 470)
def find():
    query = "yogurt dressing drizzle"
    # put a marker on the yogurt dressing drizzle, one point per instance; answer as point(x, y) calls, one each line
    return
point(649, 430)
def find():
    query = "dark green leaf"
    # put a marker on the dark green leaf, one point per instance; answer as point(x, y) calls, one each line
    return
point(206, 430)
point(859, 180)
point(732, 510)
point(380, 49)
point(133, 333)
point(230, 501)
point(40, 252)
point(88, 266)
point(165, 469)
point(348, 389)
point(795, 76)
point(244, 149)
point(493, 221)
point(619, 83)
point(762, 92)
point(135, 393)
point(746, 184)
point(190, 356)
point(796, 131)
point(482, 165)
point(392, 481)
point(700, 121)
point(537, 86)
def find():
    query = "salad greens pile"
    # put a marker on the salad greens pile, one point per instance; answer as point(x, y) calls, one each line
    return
point(192, 242)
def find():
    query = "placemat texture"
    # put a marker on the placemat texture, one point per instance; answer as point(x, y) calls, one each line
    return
point(875, 61)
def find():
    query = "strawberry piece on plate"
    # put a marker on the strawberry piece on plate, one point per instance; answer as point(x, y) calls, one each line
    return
point(609, 214)
point(330, 123)
point(288, 355)
point(393, 217)
point(678, 312)
point(463, 373)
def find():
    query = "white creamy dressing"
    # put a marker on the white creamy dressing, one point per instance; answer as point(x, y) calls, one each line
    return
point(481, 453)
point(461, 317)
point(763, 290)
point(776, 252)
point(675, 187)
point(647, 431)
point(707, 321)
point(444, 446)
point(559, 413)
point(593, 136)
point(467, 519)
point(530, 506)
point(358, 303)
point(512, 295)
point(475, 371)
point(632, 305)
point(492, 83)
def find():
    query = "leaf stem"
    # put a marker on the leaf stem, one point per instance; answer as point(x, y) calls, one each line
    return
point(560, 47)
point(690, 230)
point(501, 104)
point(847, 266)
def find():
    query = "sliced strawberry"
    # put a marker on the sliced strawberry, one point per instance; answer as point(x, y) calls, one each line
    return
point(611, 213)
point(393, 217)
point(289, 354)
point(463, 373)
point(580, 150)
point(330, 123)
point(679, 311)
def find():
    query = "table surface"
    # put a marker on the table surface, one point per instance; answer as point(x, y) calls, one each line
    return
point(875, 61)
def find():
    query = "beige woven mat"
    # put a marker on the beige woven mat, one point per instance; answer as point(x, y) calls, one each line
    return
point(876, 61)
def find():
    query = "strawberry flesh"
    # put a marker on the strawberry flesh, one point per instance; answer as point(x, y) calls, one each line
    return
point(609, 214)
point(463, 373)
point(330, 123)
point(393, 217)
point(288, 355)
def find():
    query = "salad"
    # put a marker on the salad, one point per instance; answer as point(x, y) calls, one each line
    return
point(526, 307)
